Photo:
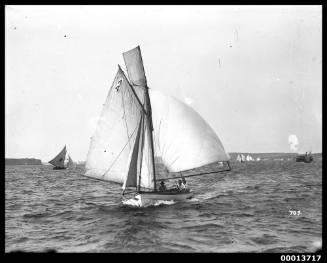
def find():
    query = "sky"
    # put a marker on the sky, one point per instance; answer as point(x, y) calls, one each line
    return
point(254, 73)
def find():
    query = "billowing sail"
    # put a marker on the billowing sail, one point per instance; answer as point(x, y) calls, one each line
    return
point(59, 160)
point(114, 138)
point(183, 139)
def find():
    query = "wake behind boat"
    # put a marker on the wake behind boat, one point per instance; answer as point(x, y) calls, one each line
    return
point(138, 126)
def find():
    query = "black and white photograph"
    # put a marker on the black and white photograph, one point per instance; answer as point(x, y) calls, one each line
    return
point(163, 129)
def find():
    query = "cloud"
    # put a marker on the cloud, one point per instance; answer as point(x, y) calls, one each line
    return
point(293, 142)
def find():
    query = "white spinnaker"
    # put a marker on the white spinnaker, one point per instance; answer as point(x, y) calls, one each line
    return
point(115, 134)
point(183, 139)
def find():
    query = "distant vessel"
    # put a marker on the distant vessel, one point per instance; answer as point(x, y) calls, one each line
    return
point(138, 126)
point(62, 160)
point(306, 158)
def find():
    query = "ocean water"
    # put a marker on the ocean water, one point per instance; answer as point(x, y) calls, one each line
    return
point(244, 210)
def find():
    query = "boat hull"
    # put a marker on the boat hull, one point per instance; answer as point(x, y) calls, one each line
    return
point(305, 159)
point(150, 197)
point(59, 168)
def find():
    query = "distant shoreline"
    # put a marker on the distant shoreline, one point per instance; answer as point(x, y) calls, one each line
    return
point(22, 161)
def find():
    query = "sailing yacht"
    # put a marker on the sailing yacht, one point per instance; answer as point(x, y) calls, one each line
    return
point(138, 126)
point(62, 160)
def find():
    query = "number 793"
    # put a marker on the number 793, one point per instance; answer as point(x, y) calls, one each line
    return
point(294, 213)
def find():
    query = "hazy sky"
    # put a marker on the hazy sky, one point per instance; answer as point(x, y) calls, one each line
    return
point(253, 72)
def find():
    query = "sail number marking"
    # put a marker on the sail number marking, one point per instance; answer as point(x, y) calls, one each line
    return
point(294, 213)
point(118, 84)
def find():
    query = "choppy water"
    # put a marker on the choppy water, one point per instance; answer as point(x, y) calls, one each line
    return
point(245, 210)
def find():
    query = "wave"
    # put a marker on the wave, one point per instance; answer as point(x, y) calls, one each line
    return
point(35, 215)
point(209, 195)
point(136, 202)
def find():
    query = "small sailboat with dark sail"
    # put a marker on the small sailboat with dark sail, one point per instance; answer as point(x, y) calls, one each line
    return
point(62, 160)
point(306, 158)
point(138, 127)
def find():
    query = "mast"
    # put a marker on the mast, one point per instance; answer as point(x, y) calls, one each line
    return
point(141, 154)
point(150, 125)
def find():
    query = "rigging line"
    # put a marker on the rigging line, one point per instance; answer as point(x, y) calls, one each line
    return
point(174, 161)
point(118, 154)
point(131, 87)
point(97, 179)
point(190, 175)
point(122, 98)
point(157, 139)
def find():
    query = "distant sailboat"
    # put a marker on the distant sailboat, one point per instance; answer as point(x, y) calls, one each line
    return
point(62, 160)
point(243, 158)
point(306, 158)
point(138, 126)
point(239, 158)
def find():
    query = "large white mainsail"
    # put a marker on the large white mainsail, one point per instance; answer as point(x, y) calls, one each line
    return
point(115, 133)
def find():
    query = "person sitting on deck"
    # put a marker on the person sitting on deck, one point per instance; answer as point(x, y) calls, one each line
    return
point(162, 186)
point(179, 185)
point(184, 187)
